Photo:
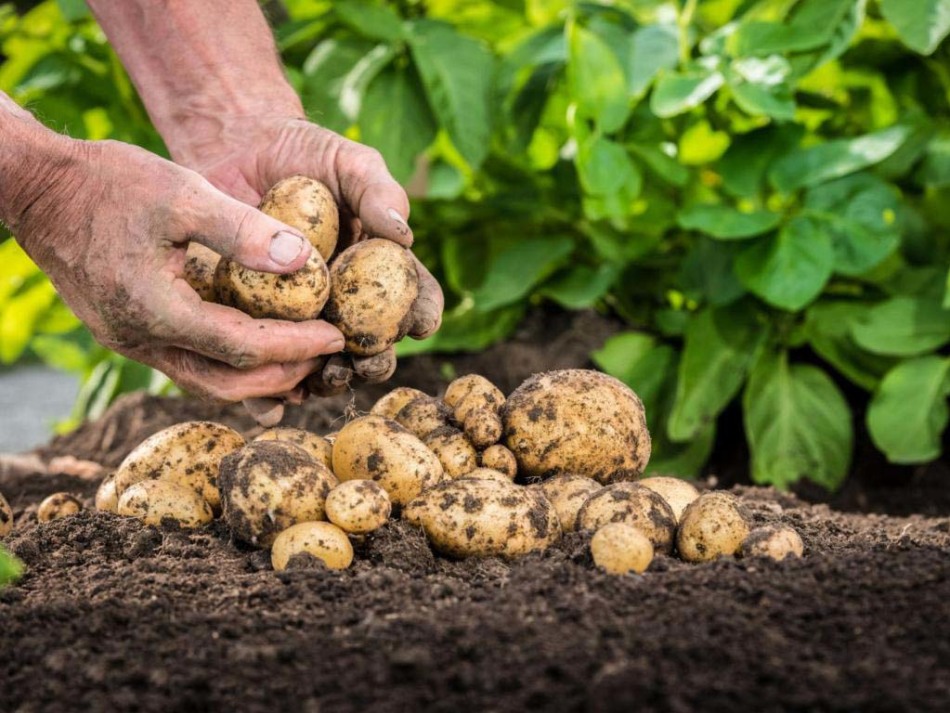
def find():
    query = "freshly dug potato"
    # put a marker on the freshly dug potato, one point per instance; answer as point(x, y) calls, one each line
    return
point(107, 499)
point(58, 506)
point(317, 446)
point(423, 416)
point(620, 548)
point(375, 448)
point(157, 501)
point(476, 404)
point(307, 205)
point(267, 486)
point(6, 517)
point(713, 525)
point(454, 451)
point(187, 453)
point(322, 540)
point(477, 517)
point(390, 404)
point(487, 474)
point(634, 505)
point(200, 264)
point(358, 506)
point(297, 296)
point(567, 494)
point(577, 421)
point(678, 493)
point(373, 286)
point(498, 457)
point(775, 541)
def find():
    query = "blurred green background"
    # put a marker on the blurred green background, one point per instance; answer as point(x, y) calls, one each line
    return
point(760, 190)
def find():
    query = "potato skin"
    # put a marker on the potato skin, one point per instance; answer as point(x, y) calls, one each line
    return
point(454, 451)
point(480, 518)
point(187, 453)
point(619, 548)
point(376, 448)
point(200, 265)
point(634, 505)
point(774, 541)
point(714, 525)
point(155, 501)
point(567, 494)
point(317, 446)
point(322, 540)
point(296, 297)
point(307, 205)
point(107, 498)
point(358, 506)
point(487, 474)
point(577, 421)
point(58, 506)
point(267, 486)
point(677, 492)
point(390, 404)
point(6, 517)
point(476, 404)
point(498, 457)
point(423, 416)
point(372, 287)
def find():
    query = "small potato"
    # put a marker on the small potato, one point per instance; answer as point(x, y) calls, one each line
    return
point(307, 205)
point(375, 448)
point(678, 493)
point(6, 517)
point(476, 405)
point(567, 494)
point(486, 474)
point(390, 404)
point(423, 416)
point(322, 540)
point(634, 505)
point(157, 501)
point(58, 506)
point(577, 421)
point(373, 286)
point(358, 506)
point(267, 486)
point(187, 453)
point(297, 296)
point(713, 525)
point(775, 541)
point(107, 499)
point(453, 450)
point(477, 517)
point(619, 548)
point(200, 264)
point(497, 457)
point(317, 446)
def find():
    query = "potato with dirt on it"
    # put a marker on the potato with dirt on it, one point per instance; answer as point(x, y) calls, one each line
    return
point(389, 405)
point(107, 498)
point(57, 506)
point(714, 525)
point(6, 517)
point(567, 494)
point(619, 548)
point(634, 505)
point(307, 205)
point(498, 457)
point(373, 285)
point(677, 492)
point(358, 506)
point(267, 486)
point(376, 448)
point(487, 474)
point(774, 541)
point(187, 453)
point(454, 451)
point(156, 502)
point(200, 266)
point(323, 540)
point(577, 421)
point(317, 446)
point(423, 416)
point(480, 518)
point(476, 405)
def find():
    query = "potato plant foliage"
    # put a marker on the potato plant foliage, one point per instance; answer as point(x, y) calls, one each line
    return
point(760, 188)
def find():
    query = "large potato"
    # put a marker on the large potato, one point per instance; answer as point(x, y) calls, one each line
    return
point(373, 286)
point(358, 506)
point(317, 446)
point(567, 494)
point(577, 421)
point(714, 525)
point(390, 404)
point(297, 296)
point(200, 266)
point(57, 506)
point(307, 205)
point(322, 540)
point(677, 492)
point(376, 448)
point(474, 517)
point(187, 453)
point(267, 486)
point(6, 517)
point(157, 501)
point(634, 505)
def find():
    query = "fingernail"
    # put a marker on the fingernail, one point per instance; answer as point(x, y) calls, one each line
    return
point(285, 247)
point(337, 344)
point(395, 215)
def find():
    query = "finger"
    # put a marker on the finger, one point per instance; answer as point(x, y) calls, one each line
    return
point(331, 378)
point(373, 194)
point(266, 412)
point(375, 369)
point(427, 309)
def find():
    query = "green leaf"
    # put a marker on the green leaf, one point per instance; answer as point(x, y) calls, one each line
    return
point(744, 165)
point(457, 73)
point(517, 268)
point(683, 460)
point(909, 411)
point(720, 346)
point(677, 93)
point(828, 331)
point(582, 287)
point(759, 88)
point(73, 10)
point(935, 168)
point(652, 49)
point(833, 159)
point(661, 164)
point(707, 274)
point(19, 318)
point(790, 269)
point(903, 326)
point(465, 330)
point(605, 168)
point(725, 222)
point(810, 25)
point(946, 296)
point(596, 80)
point(378, 22)
point(10, 567)
point(354, 85)
point(797, 423)
point(642, 363)
point(324, 73)
point(59, 353)
point(921, 24)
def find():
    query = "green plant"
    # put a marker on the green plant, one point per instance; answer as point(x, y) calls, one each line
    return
point(10, 567)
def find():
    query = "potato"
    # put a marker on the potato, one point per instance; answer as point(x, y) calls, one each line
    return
point(620, 548)
point(577, 421)
point(423, 416)
point(476, 404)
point(498, 457)
point(307, 205)
point(373, 286)
point(157, 501)
point(454, 451)
point(6, 517)
point(567, 494)
point(487, 474)
point(775, 541)
point(297, 296)
point(388, 406)
point(267, 486)
point(58, 506)
point(678, 493)
point(322, 540)
point(634, 505)
point(200, 265)
point(477, 517)
point(187, 453)
point(713, 525)
point(107, 498)
point(358, 506)
point(317, 446)
point(375, 448)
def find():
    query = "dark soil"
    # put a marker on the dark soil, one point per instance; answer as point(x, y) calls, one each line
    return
point(113, 615)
